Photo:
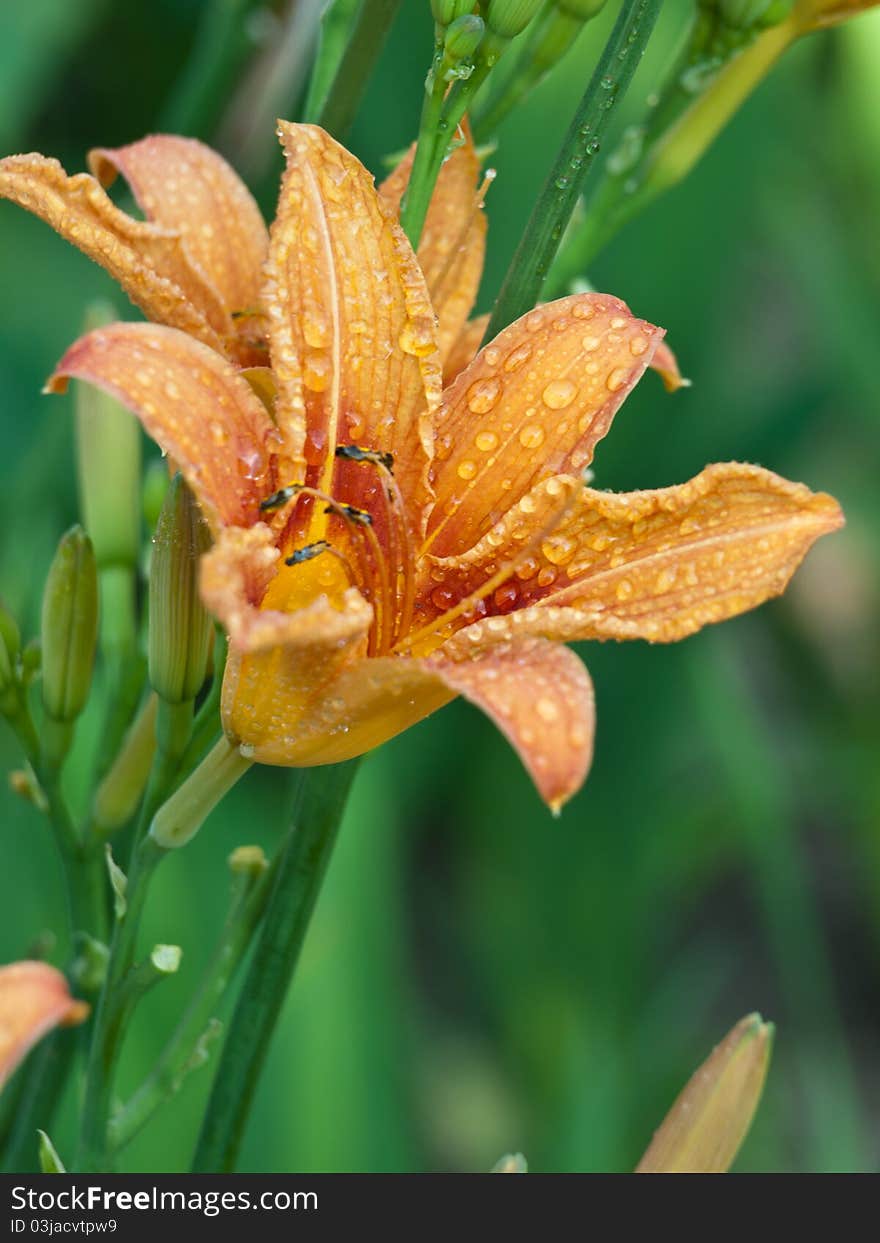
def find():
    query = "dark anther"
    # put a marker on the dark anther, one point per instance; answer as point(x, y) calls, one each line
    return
point(359, 517)
point(306, 554)
point(354, 453)
point(279, 498)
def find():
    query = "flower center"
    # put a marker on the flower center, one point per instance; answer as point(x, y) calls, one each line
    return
point(312, 524)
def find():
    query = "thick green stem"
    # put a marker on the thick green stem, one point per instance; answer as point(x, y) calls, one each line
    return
point(336, 21)
point(676, 135)
point(540, 241)
point(300, 871)
point(371, 27)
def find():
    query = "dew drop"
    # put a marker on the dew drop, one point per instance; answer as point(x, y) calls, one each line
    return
point(486, 441)
point(547, 577)
point(466, 469)
point(624, 589)
point(316, 371)
point(637, 346)
point(616, 379)
point(483, 395)
point(417, 337)
point(531, 436)
point(316, 328)
point(559, 393)
point(547, 710)
point(506, 596)
point(558, 549)
point(516, 358)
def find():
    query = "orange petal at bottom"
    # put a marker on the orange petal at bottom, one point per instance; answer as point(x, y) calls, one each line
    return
point(34, 998)
point(538, 694)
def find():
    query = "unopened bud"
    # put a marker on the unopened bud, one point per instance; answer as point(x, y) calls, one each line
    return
point(447, 11)
point(508, 18)
point(69, 627)
point(463, 37)
point(705, 1127)
point(180, 628)
point(583, 10)
point(108, 443)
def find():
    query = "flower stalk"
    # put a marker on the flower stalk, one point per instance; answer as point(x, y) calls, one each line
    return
point(556, 202)
point(356, 62)
point(300, 870)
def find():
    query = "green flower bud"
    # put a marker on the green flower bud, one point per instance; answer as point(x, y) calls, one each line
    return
point(180, 628)
point(447, 11)
point(463, 37)
point(69, 627)
point(9, 632)
point(154, 488)
point(508, 18)
point(581, 9)
point(108, 443)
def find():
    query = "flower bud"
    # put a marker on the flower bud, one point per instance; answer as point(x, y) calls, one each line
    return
point(69, 627)
point(447, 11)
point(583, 10)
point(704, 1129)
point(463, 37)
point(180, 628)
point(508, 18)
point(108, 443)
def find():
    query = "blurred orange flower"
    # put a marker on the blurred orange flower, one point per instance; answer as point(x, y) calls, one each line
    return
point(381, 547)
point(34, 998)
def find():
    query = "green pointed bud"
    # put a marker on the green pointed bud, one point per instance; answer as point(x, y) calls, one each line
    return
point(69, 627)
point(155, 486)
point(50, 1162)
point(463, 37)
point(10, 635)
point(508, 18)
point(180, 628)
point(108, 445)
point(705, 1127)
point(447, 11)
point(583, 10)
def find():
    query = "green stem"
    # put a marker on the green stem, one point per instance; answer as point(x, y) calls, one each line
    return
point(221, 47)
point(123, 663)
point(110, 1014)
point(336, 22)
point(173, 727)
point(47, 1073)
point(186, 1048)
point(300, 871)
point(540, 241)
point(371, 27)
point(677, 133)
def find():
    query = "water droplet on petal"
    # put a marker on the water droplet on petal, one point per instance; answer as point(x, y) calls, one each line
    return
point(616, 379)
point(483, 395)
point(559, 393)
point(531, 436)
point(486, 441)
point(467, 469)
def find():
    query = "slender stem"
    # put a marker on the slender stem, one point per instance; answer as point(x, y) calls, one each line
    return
point(221, 46)
point(335, 24)
point(109, 1015)
point(528, 270)
point(185, 1049)
point(371, 27)
point(47, 1073)
point(301, 869)
point(677, 133)
point(173, 728)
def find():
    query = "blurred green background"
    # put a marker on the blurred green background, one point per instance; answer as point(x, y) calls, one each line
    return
point(480, 978)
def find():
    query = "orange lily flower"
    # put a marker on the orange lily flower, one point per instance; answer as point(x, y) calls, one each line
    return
point(380, 547)
point(34, 999)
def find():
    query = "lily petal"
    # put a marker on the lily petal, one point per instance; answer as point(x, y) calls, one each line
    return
point(452, 247)
point(290, 634)
point(661, 564)
point(183, 185)
point(541, 698)
point(538, 694)
point(352, 333)
point(665, 364)
point(193, 403)
point(34, 998)
point(149, 262)
point(533, 403)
